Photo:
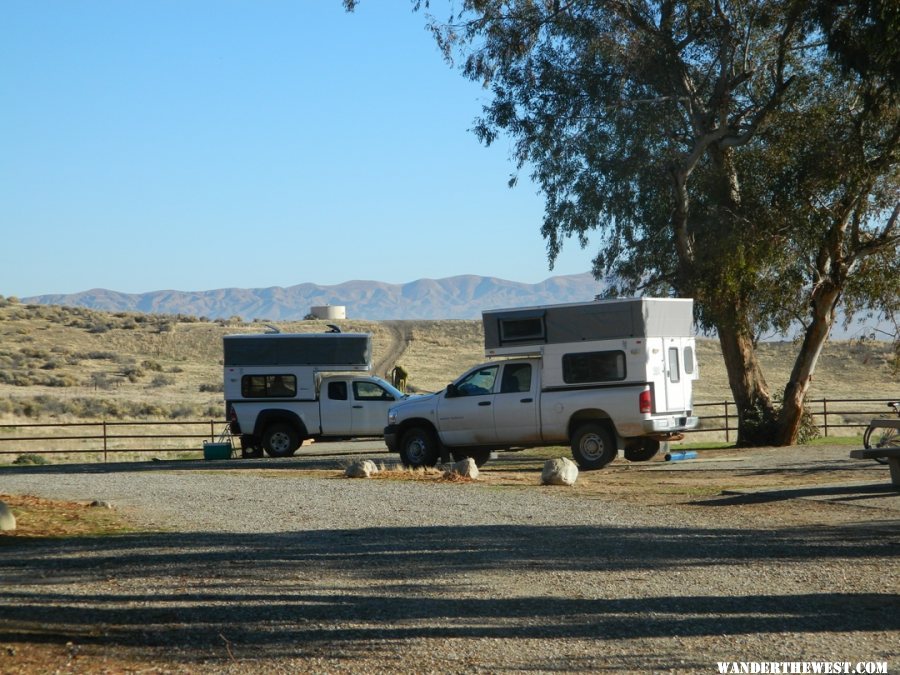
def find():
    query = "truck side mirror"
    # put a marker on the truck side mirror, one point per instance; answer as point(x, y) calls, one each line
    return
point(452, 391)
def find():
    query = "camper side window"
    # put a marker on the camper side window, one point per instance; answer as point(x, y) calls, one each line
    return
point(268, 386)
point(512, 330)
point(593, 367)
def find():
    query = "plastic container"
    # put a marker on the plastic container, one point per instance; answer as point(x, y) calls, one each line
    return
point(216, 450)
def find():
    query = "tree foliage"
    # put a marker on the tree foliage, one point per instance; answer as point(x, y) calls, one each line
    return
point(743, 152)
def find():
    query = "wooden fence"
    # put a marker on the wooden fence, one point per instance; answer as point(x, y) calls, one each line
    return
point(108, 438)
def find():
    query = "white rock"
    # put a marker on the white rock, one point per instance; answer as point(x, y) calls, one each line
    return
point(7, 519)
point(466, 468)
point(361, 468)
point(560, 471)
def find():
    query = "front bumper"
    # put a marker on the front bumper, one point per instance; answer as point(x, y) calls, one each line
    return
point(392, 437)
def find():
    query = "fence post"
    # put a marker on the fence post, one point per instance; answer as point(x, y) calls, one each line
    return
point(825, 415)
point(212, 431)
point(727, 436)
point(104, 442)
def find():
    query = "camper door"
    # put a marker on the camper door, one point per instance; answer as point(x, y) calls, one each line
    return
point(680, 369)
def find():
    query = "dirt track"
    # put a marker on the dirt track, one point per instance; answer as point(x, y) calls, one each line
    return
point(400, 337)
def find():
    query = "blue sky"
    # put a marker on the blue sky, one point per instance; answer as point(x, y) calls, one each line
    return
point(199, 144)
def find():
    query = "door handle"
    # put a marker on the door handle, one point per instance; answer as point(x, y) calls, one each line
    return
point(484, 403)
point(527, 400)
point(358, 407)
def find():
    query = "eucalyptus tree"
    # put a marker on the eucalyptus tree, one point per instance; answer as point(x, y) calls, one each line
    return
point(715, 149)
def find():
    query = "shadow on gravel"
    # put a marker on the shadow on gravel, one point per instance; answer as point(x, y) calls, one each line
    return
point(319, 461)
point(292, 593)
point(841, 493)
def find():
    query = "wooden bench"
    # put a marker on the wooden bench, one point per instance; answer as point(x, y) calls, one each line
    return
point(892, 455)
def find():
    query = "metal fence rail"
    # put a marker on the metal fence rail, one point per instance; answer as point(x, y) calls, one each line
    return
point(850, 413)
point(107, 438)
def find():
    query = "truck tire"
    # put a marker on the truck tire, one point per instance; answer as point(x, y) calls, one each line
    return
point(419, 447)
point(593, 446)
point(641, 449)
point(480, 456)
point(280, 440)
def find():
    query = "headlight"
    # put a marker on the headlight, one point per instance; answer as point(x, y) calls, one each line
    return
point(392, 416)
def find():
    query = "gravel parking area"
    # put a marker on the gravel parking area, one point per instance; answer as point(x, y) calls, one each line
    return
point(286, 566)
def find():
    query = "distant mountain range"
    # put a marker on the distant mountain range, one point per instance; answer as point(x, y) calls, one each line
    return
point(460, 297)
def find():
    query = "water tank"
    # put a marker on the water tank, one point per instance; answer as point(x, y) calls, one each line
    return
point(329, 312)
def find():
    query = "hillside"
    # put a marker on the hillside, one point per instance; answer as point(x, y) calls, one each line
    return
point(461, 297)
point(63, 363)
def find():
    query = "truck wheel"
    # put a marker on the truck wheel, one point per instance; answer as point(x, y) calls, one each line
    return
point(480, 456)
point(641, 450)
point(280, 440)
point(418, 447)
point(593, 446)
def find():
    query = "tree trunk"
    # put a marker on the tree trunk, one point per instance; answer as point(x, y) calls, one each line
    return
point(756, 414)
point(790, 417)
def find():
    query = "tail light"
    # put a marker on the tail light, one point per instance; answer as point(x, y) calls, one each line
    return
point(233, 421)
point(645, 401)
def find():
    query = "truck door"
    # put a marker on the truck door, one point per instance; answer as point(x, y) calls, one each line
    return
point(678, 382)
point(370, 408)
point(516, 405)
point(335, 408)
point(466, 409)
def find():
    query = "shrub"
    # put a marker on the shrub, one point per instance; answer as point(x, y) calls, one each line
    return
point(162, 381)
point(31, 459)
point(98, 328)
point(132, 373)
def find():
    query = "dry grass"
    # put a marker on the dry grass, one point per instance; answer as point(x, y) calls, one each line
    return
point(69, 364)
point(46, 518)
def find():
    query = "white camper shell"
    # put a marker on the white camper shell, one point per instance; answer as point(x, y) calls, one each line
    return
point(600, 376)
point(284, 388)
point(605, 343)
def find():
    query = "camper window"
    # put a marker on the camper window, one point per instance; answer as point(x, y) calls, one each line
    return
point(530, 328)
point(268, 386)
point(593, 367)
point(674, 368)
point(688, 360)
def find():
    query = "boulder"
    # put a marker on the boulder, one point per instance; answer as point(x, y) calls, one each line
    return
point(7, 519)
point(361, 468)
point(465, 468)
point(560, 471)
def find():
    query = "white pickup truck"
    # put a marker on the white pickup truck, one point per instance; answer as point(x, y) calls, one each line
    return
point(597, 376)
point(277, 394)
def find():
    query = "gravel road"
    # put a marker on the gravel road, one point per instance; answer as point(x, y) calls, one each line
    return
point(279, 568)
